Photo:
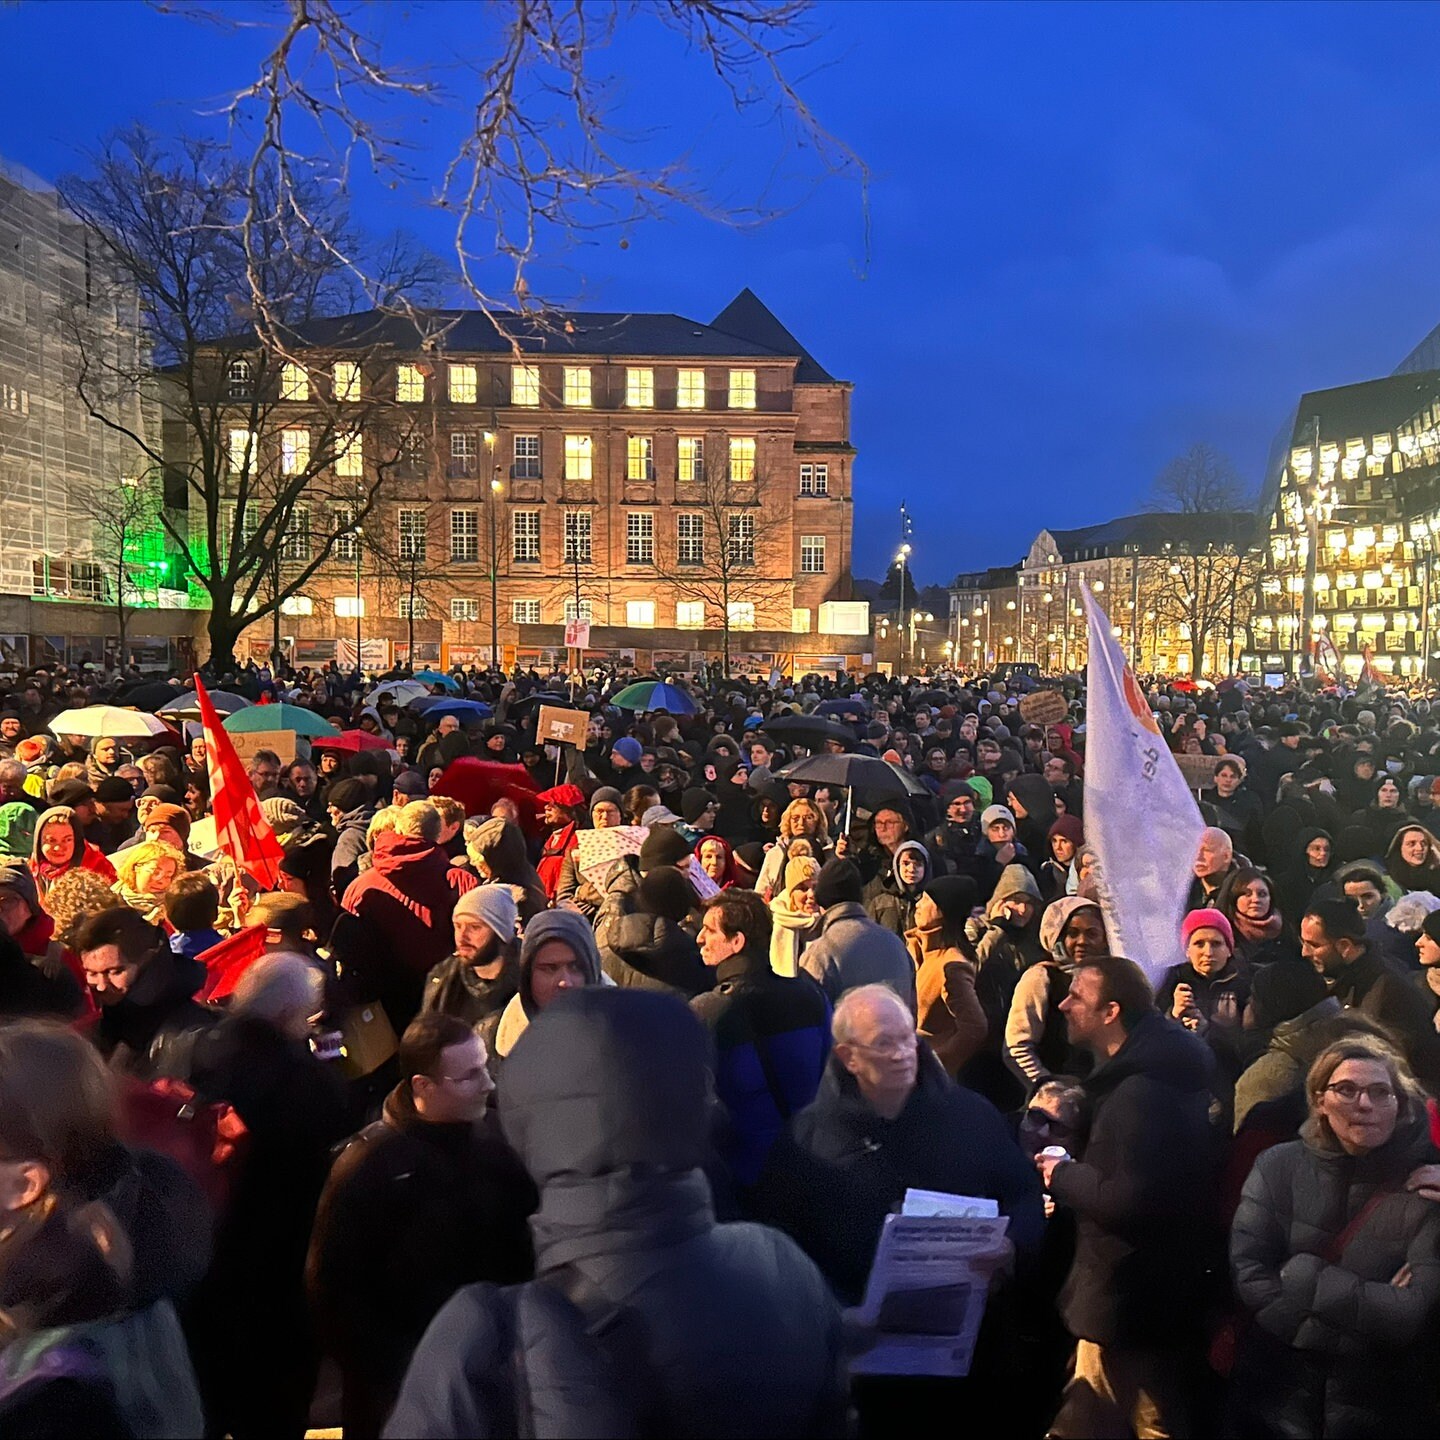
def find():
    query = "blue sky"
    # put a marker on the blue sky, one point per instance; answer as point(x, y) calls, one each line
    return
point(1096, 234)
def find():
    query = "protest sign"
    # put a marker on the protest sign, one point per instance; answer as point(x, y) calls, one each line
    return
point(282, 742)
point(560, 726)
point(1043, 707)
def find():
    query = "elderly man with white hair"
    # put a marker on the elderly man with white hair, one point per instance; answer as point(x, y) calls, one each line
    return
point(1214, 860)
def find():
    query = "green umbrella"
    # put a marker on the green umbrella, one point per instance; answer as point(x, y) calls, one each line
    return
point(278, 717)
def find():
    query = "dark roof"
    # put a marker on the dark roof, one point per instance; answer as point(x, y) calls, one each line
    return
point(1369, 408)
point(748, 317)
point(997, 577)
point(1153, 530)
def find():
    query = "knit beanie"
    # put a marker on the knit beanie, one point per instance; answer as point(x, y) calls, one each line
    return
point(837, 881)
point(1281, 991)
point(956, 895)
point(411, 783)
point(347, 795)
point(172, 815)
point(627, 747)
point(607, 795)
point(495, 905)
point(799, 870)
point(665, 892)
point(664, 845)
point(1070, 826)
point(1431, 926)
point(281, 813)
point(114, 791)
point(1206, 920)
point(750, 857)
point(694, 803)
point(15, 877)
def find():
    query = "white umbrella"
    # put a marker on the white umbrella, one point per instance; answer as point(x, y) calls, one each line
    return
point(402, 692)
point(99, 721)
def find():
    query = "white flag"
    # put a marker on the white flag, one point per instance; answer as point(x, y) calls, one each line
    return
point(1139, 814)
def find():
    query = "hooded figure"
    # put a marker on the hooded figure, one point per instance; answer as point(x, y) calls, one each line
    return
point(17, 830)
point(1032, 799)
point(650, 947)
point(498, 847)
point(948, 1014)
point(646, 1316)
point(892, 897)
point(1411, 874)
point(1303, 877)
point(524, 1006)
point(50, 860)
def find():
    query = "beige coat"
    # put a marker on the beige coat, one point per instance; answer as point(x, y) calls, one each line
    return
point(950, 1016)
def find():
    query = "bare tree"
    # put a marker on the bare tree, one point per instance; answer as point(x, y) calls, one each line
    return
point(127, 514)
point(731, 546)
point(257, 432)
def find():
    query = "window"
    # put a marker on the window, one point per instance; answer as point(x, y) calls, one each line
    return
point(639, 389)
point(690, 390)
point(741, 543)
point(464, 536)
point(690, 615)
point(640, 614)
point(577, 537)
point(346, 381)
point(349, 607)
point(464, 384)
point(742, 389)
point(412, 535)
point(527, 458)
point(240, 379)
point(640, 457)
point(524, 384)
point(463, 609)
point(345, 537)
point(525, 536)
point(350, 455)
point(692, 459)
point(689, 539)
point(812, 554)
point(409, 384)
point(14, 399)
point(815, 479)
point(742, 459)
point(242, 451)
point(413, 607)
point(579, 609)
point(579, 458)
point(525, 612)
point(577, 385)
point(294, 451)
point(464, 453)
point(742, 614)
point(297, 605)
point(294, 382)
point(295, 538)
point(799, 621)
point(640, 538)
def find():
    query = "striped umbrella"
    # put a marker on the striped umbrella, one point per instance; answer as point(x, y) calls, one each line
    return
point(654, 695)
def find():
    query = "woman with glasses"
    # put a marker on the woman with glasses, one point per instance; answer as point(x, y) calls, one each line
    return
point(1336, 1260)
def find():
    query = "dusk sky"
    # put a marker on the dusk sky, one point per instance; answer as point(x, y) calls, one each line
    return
point(1097, 234)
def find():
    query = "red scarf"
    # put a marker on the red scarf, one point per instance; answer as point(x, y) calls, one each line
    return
point(1257, 930)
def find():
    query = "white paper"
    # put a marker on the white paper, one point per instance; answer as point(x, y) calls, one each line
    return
point(941, 1202)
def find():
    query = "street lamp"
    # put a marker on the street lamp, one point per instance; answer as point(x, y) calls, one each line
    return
point(495, 489)
point(901, 556)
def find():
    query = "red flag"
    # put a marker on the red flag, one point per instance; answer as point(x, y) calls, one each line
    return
point(244, 833)
point(228, 960)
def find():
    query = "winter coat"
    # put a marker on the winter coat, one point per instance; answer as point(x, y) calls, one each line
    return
point(1221, 1001)
point(453, 988)
point(520, 1011)
point(1281, 1070)
point(412, 1210)
point(1393, 1002)
point(559, 844)
point(842, 1167)
point(646, 1317)
point(953, 847)
point(350, 846)
point(35, 985)
point(150, 1032)
point(790, 932)
point(1142, 1193)
point(654, 952)
point(948, 1014)
point(852, 950)
point(1334, 1348)
point(772, 1038)
point(892, 904)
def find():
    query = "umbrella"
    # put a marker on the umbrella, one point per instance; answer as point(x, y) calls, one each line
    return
point(654, 695)
point(811, 731)
point(596, 849)
point(434, 677)
point(402, 692)
point(432, 707)
point(278, 717)
point(351, 740)
point(187, 707)
point(875, 779)
point(851, 705)
point(101, 721)
point(933, 697)
point(478, 784)
point(152, 695)
point(543, 697)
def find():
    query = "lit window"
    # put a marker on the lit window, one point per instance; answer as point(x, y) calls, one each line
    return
point(464, 536)
point(241, 450)
point(464, 384)
point(639, 389)
point(415, 607)
point(640, 457)
point(690, 390)
point(297, 605)
point(812, 554)
point(692, 459)
point(346, 381)
point(349, 607)
point(350, 455)
point(690, 615)
point(640, 538)
point(741, 543)
point(524, 384)
point(742, 389)
point(640, 614)
point(294, 451)
point(294, 382)
point(527, 458)
point(799, 621)
point(742, 614)
point(742, 459)
point(240, 379)
point(412, 535)
point(579, 458)
point(409, 384)
point(579, 609)
point(577, 537)
point(463, 609)
point(525, 536)
point(690, 539)
point(577, 386)
point(815, 479)
point(295, 540)
point(525, 612)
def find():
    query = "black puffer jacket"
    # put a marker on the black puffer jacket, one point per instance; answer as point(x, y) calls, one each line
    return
point(151, 1030)
point(1336, 1348)
point(655, 953)
point(646, 1317)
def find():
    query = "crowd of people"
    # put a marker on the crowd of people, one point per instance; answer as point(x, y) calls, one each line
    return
point(458, 1130)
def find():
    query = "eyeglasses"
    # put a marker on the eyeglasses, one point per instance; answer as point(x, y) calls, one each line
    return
point(898, 1050)
point(1348, 1091)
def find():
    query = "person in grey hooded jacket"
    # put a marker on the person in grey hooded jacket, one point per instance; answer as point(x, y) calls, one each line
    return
point(646, 1316)
point(851, 949)
point(570, 961)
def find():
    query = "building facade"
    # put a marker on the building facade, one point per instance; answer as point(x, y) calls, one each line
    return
point(648, 474)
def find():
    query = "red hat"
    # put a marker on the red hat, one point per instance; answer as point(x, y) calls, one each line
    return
point(566, 795)
point(1206, 920)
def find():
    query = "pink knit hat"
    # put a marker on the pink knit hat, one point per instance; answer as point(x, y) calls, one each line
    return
point(1206, 920)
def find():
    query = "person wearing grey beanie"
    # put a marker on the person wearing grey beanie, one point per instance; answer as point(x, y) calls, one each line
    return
point(482, 975)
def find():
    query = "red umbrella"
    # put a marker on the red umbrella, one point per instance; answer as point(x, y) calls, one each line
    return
point(478, 784)
point(351, 740)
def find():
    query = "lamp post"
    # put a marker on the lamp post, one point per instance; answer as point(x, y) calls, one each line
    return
point(359, 603)
point(902, 555)
point(495, 489)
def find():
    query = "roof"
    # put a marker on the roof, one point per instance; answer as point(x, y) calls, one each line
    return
point(749, 318)
point(1153, 530)
point(1371, 407)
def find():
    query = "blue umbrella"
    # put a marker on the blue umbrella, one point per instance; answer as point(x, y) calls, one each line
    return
point(654, 695)
point(434, 677)
point(432, 707)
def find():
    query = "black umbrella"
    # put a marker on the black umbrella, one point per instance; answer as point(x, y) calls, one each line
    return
point(934, 697)
point(873, 778)
point(532, 703)
point(850, 705)
point(811, 731)
point(149, 696)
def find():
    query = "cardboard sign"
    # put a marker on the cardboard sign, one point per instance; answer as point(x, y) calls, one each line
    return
point(566, 727)
point(282, 742)
point(1044, 707)
point(1198, 770)
point(577, 634)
